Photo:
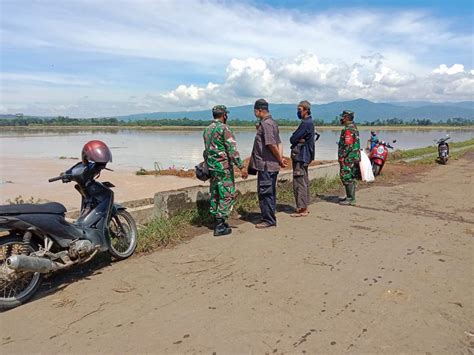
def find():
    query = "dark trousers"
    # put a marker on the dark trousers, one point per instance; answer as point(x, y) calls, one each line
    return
point(301, 184)
point(266, 185)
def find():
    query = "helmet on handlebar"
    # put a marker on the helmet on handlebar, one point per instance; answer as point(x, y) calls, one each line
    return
point(97, 152)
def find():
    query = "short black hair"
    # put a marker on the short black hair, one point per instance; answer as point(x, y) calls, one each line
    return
point(261, 104)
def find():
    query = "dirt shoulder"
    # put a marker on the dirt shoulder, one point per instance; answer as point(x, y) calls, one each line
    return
point(392, 275)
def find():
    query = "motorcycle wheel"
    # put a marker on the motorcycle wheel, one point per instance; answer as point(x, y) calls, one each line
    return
point(123, 235)
point(18, 287)
point(376, 169)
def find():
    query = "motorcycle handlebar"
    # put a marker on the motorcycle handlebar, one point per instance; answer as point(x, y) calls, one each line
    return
point(63, 176)
point(55, 179)
point(442, 140)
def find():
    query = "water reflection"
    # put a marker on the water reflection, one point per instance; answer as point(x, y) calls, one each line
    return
point(133, 149)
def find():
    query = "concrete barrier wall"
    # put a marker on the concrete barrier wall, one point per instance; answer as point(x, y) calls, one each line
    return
point(169, 203)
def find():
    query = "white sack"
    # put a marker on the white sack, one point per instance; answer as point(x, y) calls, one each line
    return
point(366, 167)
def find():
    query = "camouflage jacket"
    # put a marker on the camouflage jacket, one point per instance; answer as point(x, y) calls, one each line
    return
point(349, 143)
point(220, 147)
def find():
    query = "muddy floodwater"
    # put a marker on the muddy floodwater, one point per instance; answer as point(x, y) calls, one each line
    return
point(133, 149)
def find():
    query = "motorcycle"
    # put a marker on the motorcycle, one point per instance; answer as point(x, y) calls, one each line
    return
point(38, 239)
point(443, 149)
point(379, 155)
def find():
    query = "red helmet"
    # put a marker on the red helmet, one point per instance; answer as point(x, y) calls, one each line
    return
point(97, 152)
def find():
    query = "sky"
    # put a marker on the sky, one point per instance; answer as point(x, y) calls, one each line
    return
point(96, 58)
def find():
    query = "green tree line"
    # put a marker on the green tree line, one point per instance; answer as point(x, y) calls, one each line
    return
point(186, 122)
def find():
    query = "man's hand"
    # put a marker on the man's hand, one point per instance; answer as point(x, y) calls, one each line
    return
point(301, 140)
point(277, 151)
point(244, 172)
point(283, 163)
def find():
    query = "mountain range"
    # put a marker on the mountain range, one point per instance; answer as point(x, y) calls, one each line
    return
point(365, 110)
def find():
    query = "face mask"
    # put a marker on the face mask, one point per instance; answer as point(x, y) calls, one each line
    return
point(298, 113)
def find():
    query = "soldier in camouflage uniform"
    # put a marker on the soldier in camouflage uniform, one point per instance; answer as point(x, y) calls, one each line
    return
point(221, 156)
point(349, 156)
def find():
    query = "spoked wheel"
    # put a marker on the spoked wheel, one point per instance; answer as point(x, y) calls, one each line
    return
point(123, 235)
point(15, 287)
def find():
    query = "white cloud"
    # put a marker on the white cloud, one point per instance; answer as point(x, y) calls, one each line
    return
point(307, 69)
point(252, 52)
point(249, 78)
point(306, 76)
point(204, 32)
point(185, 95)
point(444, 69)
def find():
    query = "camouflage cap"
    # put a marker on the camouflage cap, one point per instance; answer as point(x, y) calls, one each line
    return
point(220, 109)
point(347, 112)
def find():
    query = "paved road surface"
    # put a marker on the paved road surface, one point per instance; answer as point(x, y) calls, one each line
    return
point(393, 275)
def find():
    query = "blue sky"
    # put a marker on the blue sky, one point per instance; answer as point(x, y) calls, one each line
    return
point(97, 58)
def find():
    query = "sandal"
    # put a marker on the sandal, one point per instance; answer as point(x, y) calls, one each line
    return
point(299, 214)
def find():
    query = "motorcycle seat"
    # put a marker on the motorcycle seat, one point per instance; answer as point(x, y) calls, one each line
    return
point(29, 208)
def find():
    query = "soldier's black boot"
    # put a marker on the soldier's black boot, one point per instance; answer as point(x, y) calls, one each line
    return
point(350, 190)
point(353, 193)
point(221, 228)
point(344, 198)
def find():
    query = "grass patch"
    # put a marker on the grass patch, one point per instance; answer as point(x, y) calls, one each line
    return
point(452, 156)
point(412, 153)
point(462, 144)
point(322, 185)
point(249, 202)
point(162, 232)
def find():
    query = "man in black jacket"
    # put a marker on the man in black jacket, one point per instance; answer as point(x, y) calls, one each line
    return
point(302, 154)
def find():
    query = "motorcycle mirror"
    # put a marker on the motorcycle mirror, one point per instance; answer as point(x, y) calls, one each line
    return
point(394, 141)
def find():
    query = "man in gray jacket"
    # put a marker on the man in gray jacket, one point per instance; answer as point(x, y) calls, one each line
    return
point(266, 159)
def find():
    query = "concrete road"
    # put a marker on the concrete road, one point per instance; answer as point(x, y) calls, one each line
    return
point(392, 275)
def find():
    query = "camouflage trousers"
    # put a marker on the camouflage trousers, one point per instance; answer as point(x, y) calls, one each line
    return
point(222, 193)
point(347, 171)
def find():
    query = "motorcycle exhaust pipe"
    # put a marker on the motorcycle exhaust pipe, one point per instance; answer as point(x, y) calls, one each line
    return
point(30, 263)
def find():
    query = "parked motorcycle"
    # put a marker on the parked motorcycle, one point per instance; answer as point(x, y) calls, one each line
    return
point(443, 149)
point(379, 155)
point(39, 240)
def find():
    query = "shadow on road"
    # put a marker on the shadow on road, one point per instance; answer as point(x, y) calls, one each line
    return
point(329, 198)
point(254, 217)
point(62, 279)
